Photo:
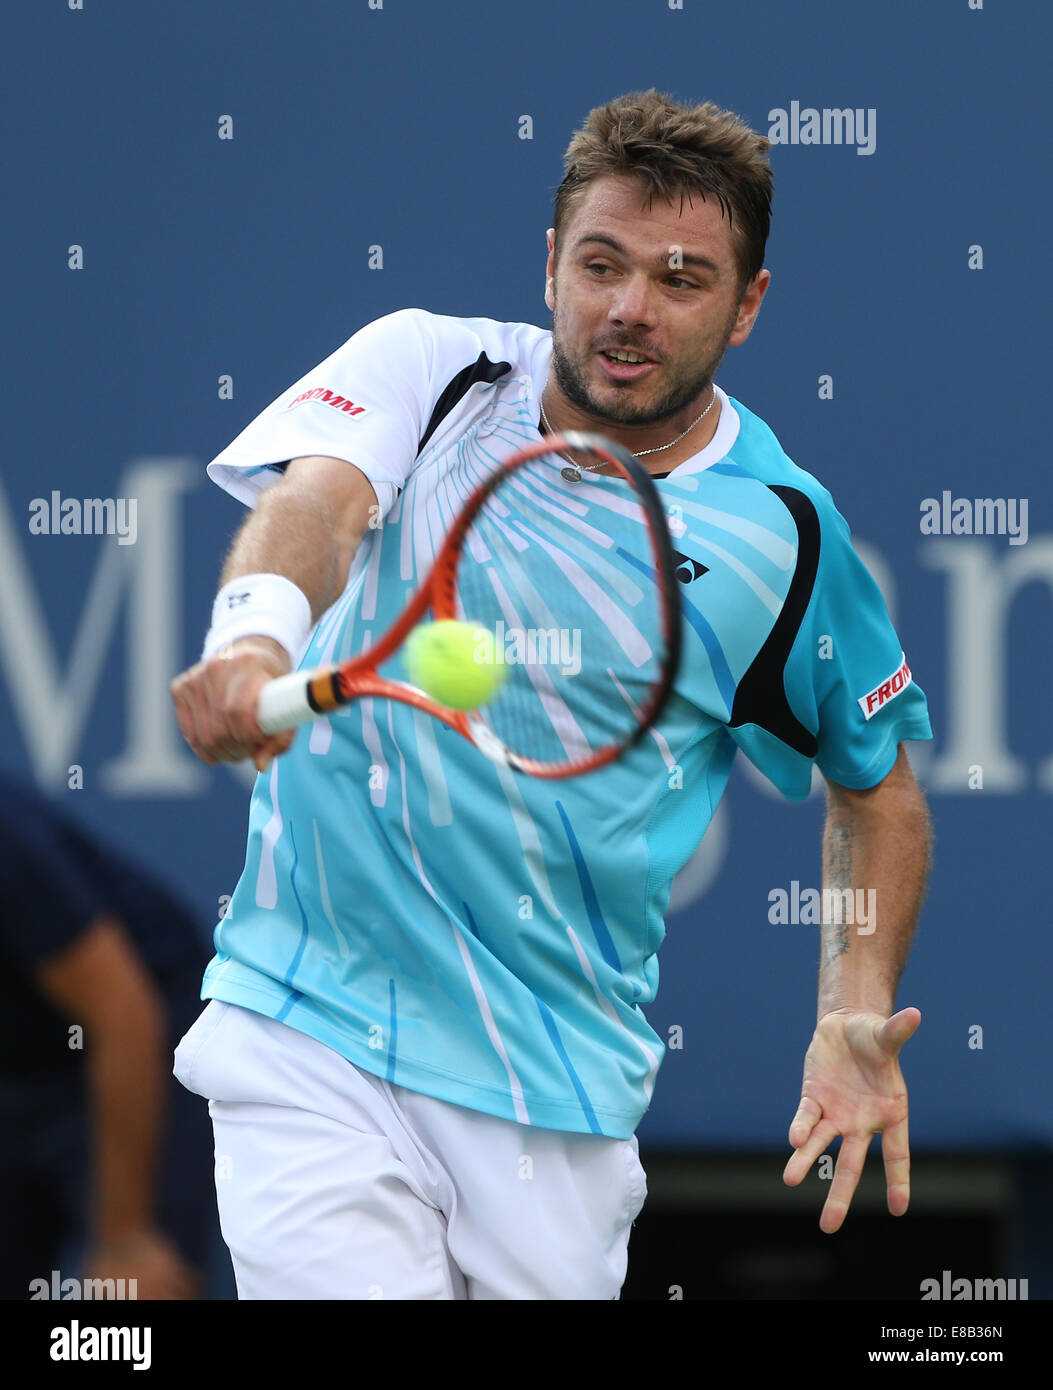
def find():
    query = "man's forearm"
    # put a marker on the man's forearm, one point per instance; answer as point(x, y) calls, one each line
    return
point(876, 855)
point(126, 1077)
point(291, 536)
point(307, 528)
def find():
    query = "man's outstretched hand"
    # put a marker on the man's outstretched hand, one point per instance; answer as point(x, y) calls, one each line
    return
point(853, 1086)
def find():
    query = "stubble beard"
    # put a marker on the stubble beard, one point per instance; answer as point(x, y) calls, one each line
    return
point(681, 392)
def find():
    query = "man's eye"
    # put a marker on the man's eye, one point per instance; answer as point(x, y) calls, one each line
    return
point(677, 280)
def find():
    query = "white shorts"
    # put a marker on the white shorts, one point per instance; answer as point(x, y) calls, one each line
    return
point(335, 1184)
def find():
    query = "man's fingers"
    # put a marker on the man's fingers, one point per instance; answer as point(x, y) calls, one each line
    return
point(846, 1179)
point(802, 1124)
point(216, 702)
point(263, 755)
point(188, 727)
point(822, 1136)
point(216, 732)
point(899, 1028)
point(895, 1149)
point(232, 697)
point(196, 718)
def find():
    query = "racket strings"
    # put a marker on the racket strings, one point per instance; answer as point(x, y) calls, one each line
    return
point(563, 575)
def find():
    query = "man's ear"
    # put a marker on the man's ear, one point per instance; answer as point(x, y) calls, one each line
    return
point(749, 308)
point(550, 269)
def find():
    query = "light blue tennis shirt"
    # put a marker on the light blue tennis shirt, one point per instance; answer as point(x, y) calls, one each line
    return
point(488, 938)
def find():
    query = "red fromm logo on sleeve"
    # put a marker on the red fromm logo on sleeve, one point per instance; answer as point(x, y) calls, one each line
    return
point(324, 396)
point(887, 690)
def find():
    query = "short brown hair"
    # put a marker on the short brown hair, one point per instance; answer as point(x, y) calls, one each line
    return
point(701, 149)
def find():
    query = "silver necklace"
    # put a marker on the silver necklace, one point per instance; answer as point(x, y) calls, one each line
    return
point(573, 472)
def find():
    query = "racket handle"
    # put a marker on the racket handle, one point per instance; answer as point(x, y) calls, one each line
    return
point(283, 703)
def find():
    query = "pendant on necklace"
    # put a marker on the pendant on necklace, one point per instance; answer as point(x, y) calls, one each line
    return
point(571, 474)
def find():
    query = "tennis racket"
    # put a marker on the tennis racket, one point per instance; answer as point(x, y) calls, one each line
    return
point(573, 572)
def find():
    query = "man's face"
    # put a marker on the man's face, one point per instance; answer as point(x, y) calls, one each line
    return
point(667, 289)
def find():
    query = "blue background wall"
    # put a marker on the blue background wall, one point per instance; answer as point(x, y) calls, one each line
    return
point(399, 127)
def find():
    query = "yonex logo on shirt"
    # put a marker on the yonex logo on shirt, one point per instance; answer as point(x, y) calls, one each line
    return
point(887, 690)
point(324, 396)
point(688, 569)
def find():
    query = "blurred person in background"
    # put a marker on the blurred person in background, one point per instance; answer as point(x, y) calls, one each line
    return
point(105, 1161)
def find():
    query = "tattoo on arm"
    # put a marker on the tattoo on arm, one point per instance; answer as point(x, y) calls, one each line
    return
point(839, 847)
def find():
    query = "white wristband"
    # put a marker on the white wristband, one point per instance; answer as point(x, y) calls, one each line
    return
point(259, 605)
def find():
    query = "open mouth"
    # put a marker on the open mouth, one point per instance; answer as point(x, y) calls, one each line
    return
point(625, 366)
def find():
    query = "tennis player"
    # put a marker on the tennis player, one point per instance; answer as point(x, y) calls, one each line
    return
point(425, 1049)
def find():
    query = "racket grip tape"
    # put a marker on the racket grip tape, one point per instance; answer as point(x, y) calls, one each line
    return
point(284, 703)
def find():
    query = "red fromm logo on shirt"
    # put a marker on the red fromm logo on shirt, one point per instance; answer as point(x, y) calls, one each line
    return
point(324, 396)
point(887, 690)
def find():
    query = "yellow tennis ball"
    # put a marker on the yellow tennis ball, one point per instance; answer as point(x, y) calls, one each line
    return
point(455, 663)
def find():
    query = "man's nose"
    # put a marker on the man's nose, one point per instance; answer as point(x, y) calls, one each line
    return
point(633, 304)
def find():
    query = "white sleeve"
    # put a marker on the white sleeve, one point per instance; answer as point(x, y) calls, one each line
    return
point(369, 402)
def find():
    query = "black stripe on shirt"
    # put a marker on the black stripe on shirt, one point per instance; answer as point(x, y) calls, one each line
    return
point(761, 697)
point(482, 369)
